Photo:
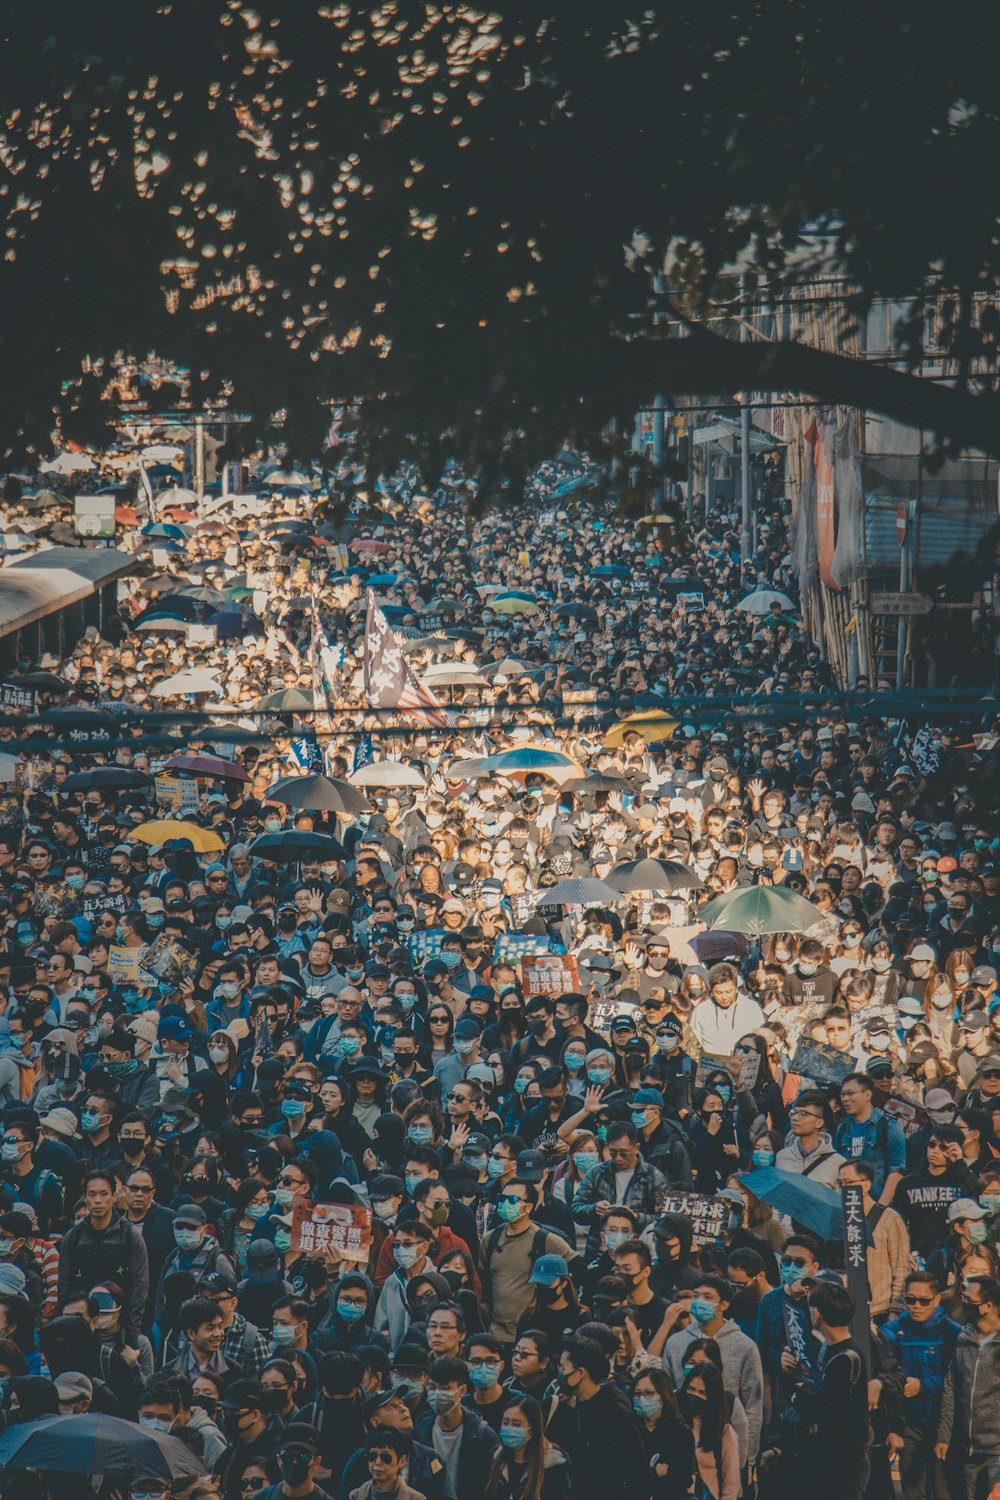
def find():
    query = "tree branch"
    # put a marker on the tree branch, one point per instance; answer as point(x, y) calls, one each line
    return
point(705, 364)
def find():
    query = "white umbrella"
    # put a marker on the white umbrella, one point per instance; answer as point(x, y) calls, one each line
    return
point(176, 496)
point(762, 601)
point(291, 476)
point(161, 453)
point(391, 773)
point(68, 463)
point(197, 680)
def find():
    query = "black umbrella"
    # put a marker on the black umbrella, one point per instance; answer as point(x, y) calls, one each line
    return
point(101, 776)
point(93, 1443)
point(319, 794)
point(42, 682)
point(601, 781)
point(295, 844)
point(653, 875)
point(79, 717)
point(575, 612)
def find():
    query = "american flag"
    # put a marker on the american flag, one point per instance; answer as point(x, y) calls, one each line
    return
point(390, 682)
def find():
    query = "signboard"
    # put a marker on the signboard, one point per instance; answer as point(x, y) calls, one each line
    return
point(201, 635)
point(511, 947)
point(821, 1063)
point(423, 946)
point(856, 1262)
point(744, 1069)
point(94, 906)
point(318, 1228)
point(94, 516)
point(708, 1215)
point(177, 793)
point(908, 605)
point(14, 696)
point(799, 1338)
point(123, 964)
point(550, 974)
point(691, 601)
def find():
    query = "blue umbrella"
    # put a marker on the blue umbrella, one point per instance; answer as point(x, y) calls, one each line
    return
point(817, 1207)
point(166, 529)
point(382, 580)
point(610, 570)
point(232, 623)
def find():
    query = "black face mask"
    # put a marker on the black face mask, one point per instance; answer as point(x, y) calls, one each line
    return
point(294, 1468)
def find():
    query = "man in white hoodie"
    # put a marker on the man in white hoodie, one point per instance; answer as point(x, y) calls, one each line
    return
point(720, 1020)
point(808, 1150)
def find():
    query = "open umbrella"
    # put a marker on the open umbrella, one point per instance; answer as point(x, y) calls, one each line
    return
point(598, 781)
point(176, 496)
point(42, 682)
point(756, 909)
point(168, 529)
point(515, 604)
point(652, 724)
point(762, 601)
point(574, 611)
point(195, 680)
point(610, 570)
point(454, 674)
point(295, 844)
point(289, 476)
point(162, 830)
point(318, 793)
point(163, 621)
point(584, 892)
point(94, 1443)
point(387, 773)
point(105, 776)
point(285, 701)
point(212, 766)
point(653, 875)
point(76, 716)
point(817, 1207)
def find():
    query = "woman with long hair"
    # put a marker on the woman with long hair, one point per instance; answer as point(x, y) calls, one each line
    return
point(251, 1205)
point(526, 1466)
point(583, 1155)
point(715, 1446)
point(665, 1435)
point(763, 1086)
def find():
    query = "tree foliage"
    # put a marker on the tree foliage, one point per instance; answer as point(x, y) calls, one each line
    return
point(451, 217)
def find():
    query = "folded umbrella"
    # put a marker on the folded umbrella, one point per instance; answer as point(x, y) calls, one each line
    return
point(811, 1204)
point(94, 1443)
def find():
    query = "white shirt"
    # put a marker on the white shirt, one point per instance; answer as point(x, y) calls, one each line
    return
point(719, 1030)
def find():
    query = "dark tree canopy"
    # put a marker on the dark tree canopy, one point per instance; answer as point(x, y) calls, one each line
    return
point(450, 217)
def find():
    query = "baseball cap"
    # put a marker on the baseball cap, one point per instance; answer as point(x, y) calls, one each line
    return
point(923, 953)
point(824, 1277)
point(300, 1435)
point(387, 1185)
point(453, 904)
point(974, 1020)
point(648, 1097)
point(548, 1268)
point(175, 1029)
point(12, 1280)
point(191, 1215)
point(939, 1099)
point(245, 1395)
point(966, 1208)
point(217, 1281)
point(262, 1262)
point(984, 974)
point(531, 1165)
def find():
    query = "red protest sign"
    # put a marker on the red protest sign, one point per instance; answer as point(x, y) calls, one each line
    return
point(549, 974)
point(320, 1227)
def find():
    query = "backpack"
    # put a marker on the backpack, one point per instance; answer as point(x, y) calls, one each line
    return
point(488, 1246)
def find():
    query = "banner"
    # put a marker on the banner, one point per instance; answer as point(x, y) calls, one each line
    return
point(318, 1228)
point(550, 974)
point(13, 696)
point(390, 681)
point(820, 438)
point(743, 1069)
point(123, 964)
point(177, 793)
point(822, 1063)
point(201, 635)
point(307, 753)
point(856, 1236)
point(94, 906)
point(364, 752)
point(799, 1338)
point(423, 946)
point(708, 1215)
point(94, 516)
point(511, 947)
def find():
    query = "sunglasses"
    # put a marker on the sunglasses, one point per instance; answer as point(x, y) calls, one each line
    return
point(912, 1301)
point(380, 1456)
point(252, 1482)
point(792, 1260)
point(286, 1181)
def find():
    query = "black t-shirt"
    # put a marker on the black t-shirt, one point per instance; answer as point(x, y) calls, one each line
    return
point(647, 1316)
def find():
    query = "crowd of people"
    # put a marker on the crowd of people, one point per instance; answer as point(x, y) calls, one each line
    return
point(554, 1269)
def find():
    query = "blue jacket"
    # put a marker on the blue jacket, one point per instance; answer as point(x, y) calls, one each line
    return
point(884, 1145)
point(925, 1350)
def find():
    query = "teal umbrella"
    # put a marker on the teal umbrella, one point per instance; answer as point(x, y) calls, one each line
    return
point(756, 909)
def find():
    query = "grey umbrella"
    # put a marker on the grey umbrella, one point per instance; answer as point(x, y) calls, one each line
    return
point(653, 875)
point(319, 794)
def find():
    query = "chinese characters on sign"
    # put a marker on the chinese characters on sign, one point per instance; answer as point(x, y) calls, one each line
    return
point(318, 1228)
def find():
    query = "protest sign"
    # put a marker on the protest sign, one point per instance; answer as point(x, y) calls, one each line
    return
point(821, 1063)
point(14, 696)
point(123, 964)
point(169, 960)
point(93, 906)
point(856, 1236)
point(201, 635)
point(549, 974)
point(423, 946)
point(708, 1215)
point(321, 1227)
point(744, 1069)
point(799, 1338)
point(511, 947)
point(912, 1117)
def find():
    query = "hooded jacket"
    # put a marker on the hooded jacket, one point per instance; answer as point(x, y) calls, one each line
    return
point(741, 1370)
point(970, 1402)
point(820, 1165)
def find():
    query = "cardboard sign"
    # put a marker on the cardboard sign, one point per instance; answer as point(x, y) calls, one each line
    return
point(708, 1215)
point(202, 635)
point(123, 964)
point(511, 947)
point(13, 696)
point(179, 794)
point(799, 1338)
point(549, 974)
point(912, 1117)
point(423, 946)
point(821, 1063)
point(94, 906)
point(319, 1227)
point(743, 1069)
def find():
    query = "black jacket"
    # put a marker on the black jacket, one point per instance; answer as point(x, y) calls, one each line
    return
point(475, 1453)
point(603, 1441)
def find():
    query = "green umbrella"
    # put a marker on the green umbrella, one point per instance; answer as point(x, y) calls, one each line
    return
point(756, 909)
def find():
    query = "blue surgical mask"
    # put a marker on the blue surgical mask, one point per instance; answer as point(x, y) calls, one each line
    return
point(484, 1377)
point(647, 1406)
point(420, 1135)
point(639, 1119)
point(598, 1076)
point(293, 1109)
point(258, 1210)
point(574, 1061)
point(187, 1239)
point(791, 1275)
point(615, 1240)
point(495, 1167)
point(284, 1197)
point(585, 1160)
point(513, 1437)
point(520, 1084)
point(155, 1424)
point(702, 1310)
point(406, 999)
point(90, 1120)
point(991, 1202)
point(349, 1046)
point(451, 960)
point(762, 1158)
point(350, 1311)
point(227, 990)
point(464, 1045)
point(76, 882)
point(282, 1241)
point(283, 1334)
point(411, 1183)
point(405, 1256)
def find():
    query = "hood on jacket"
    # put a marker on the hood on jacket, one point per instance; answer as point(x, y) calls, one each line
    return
point(671, 1225)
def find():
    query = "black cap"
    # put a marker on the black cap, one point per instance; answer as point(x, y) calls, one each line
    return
point(217, 1281)
point(387, 1186)
point(245, 1395)
point(300, 1435)
point(531, 1166)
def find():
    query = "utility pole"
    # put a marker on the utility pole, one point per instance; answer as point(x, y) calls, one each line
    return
point(745, 537)
point(199, 459)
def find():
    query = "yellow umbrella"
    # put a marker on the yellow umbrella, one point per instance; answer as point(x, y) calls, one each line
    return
point(203, 840)
point(515, 605)
point(653, 724)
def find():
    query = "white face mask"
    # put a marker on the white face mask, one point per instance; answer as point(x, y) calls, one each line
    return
point(880, 965)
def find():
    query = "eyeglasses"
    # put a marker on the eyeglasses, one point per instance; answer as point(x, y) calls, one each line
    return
point(912, 1301)
point(619, 1150)
point(138, 1187)
point(485, 1364)
point(654, 1005)
point(285, 1181)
